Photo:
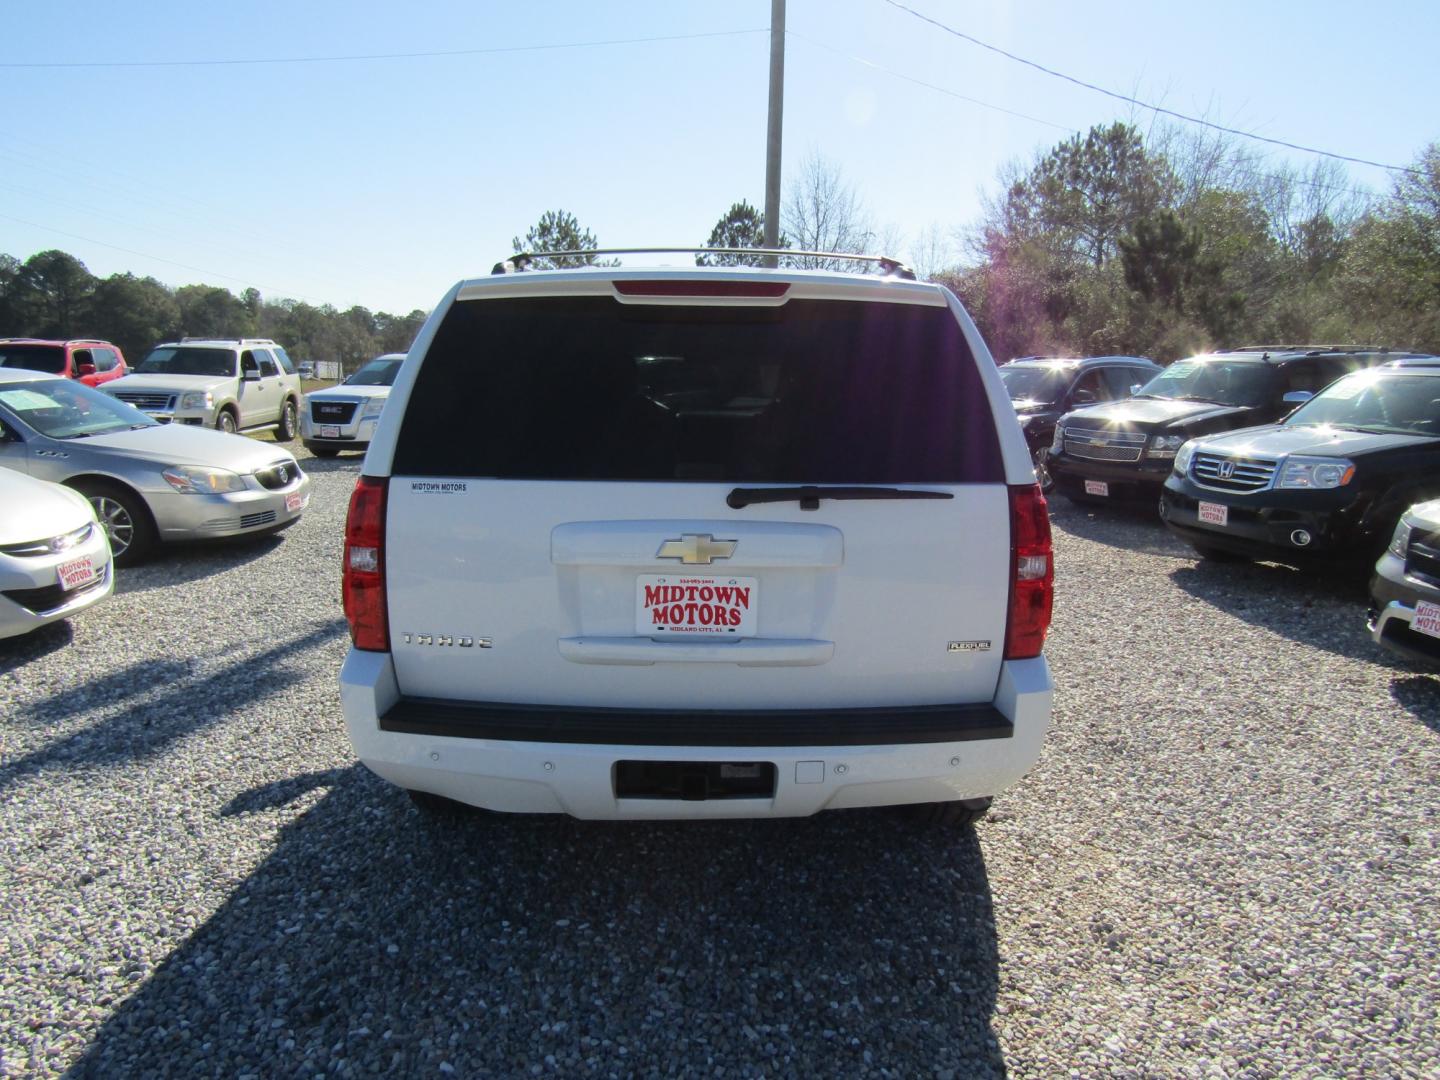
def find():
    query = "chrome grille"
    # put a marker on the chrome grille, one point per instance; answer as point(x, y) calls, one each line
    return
point(1224, 473)
point(1103, 444)
point(249, 521)
point(332, 412)
point(1422, 557)
point(146, 401)
point(278, 475)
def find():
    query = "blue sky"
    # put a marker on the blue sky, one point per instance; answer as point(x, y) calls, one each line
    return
point(381, 182)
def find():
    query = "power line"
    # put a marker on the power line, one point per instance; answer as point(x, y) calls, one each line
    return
point(380, 56)
point(920, 82)
point(1146, 105)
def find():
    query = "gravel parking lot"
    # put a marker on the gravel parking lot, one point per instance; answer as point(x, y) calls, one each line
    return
point(1225, 864)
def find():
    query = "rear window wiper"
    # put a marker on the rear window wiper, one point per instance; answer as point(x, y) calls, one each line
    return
point(810, 496)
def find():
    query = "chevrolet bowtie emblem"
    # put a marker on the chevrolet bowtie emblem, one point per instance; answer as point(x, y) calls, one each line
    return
point(696, 549)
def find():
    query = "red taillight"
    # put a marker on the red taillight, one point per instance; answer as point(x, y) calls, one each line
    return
point(363, 579)
point(1032, 574)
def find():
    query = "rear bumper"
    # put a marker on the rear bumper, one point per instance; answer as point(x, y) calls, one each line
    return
point(540, 759)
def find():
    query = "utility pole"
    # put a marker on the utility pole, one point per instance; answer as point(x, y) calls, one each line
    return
point(772, 134)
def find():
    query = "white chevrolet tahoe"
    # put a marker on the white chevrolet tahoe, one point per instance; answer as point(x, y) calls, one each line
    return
point(680, 543)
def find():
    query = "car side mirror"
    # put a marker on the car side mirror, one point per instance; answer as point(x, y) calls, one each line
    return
point(85, 367)
point(1297, 397)
point(251, 375)
point(1083, 397)
point(1135, 388)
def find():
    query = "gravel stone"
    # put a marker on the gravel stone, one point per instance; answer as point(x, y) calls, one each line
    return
point(1223, 865)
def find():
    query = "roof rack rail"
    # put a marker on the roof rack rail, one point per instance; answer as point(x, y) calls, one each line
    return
point(519, 262)
point(241, 341)
point(1310, 348)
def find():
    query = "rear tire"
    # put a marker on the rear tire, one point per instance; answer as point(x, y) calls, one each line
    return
point(285, 431)
point(125, 518)
point(959, 814)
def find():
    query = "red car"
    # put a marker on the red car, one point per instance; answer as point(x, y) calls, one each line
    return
point(91, 361)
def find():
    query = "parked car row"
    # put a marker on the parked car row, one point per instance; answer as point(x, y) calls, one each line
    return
point(1327, 485)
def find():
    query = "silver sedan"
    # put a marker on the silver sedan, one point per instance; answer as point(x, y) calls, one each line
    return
point(149, 482)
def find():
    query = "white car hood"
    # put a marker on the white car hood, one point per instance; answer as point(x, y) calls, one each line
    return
point(174, 384)
point(184, 444)
point(38, 509)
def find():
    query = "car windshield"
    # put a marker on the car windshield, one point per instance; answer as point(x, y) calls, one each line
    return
point(173, 360)
point(378, 372)
point(1383, 402)
point(47, 358)
point(1206, 378)
point(1035, 382)
point(68, 410)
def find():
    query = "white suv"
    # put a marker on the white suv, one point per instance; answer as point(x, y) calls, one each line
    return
point(665, 543)
point(247, 385)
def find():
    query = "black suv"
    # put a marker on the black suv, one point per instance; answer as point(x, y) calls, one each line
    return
point(1044, 388)
point(1124, 449)
point(1327, 485)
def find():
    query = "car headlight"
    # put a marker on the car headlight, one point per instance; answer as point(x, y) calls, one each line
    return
point(1163, 446)
point(375, 406)
point(1315, 473)
point(196, 399)
point(1183, 456)
point(202, 480)
point(1057, 443)
point(1401, 540)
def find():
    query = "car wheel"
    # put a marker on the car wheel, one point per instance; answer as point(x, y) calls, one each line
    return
point(226, 422)
point(286, 431)
point(1214, 554)
point(1042, 471)
point(438, 808)
point(125, 518)
point(949, 815)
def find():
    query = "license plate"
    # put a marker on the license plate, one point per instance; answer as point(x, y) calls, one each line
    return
point(695, 606)
point(1096, 487)
point(294, 501)
point(1215, 514)
point(329, 431)
point(1426, 619)
point(77, 572)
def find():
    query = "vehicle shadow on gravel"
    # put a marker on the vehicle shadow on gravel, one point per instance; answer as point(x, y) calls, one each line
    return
point(1419, 695)
point(1326, 611)
point(20, 650)
point(152, 704)
point(1132, 526)
point(176, 564)
point(509, 945)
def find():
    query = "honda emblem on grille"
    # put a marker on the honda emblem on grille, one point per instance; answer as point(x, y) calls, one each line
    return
point(696, 549)
point(1225, 470)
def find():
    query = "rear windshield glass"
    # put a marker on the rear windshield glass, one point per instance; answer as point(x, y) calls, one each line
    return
point(586, 388)
point(182, 361)
point(47, 358)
